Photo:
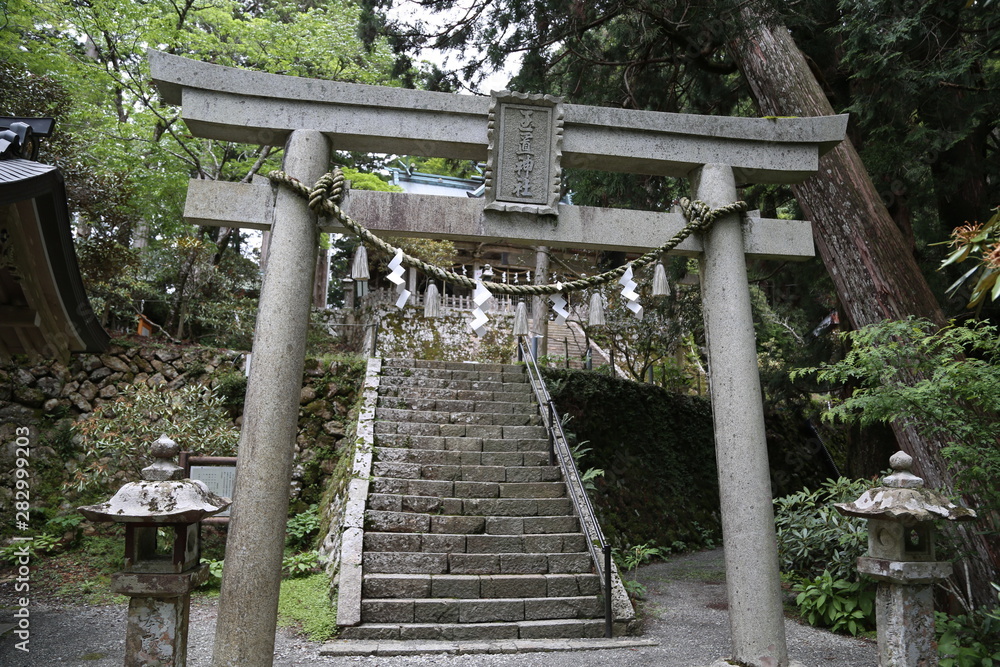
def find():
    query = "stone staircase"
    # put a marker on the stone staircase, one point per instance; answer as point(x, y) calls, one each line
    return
point(569, 336)
point(469, 533)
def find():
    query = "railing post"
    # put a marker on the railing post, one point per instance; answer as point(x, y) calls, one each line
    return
point(552, 434)
point(608, 621)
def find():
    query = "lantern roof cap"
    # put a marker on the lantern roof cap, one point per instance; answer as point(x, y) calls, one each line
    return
point(163, 496)
point(903, 498)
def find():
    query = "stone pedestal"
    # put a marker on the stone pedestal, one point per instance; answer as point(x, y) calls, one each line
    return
point(904, 609)
point(157, 616)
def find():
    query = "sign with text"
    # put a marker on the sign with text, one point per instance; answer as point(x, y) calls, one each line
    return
point(523, 170)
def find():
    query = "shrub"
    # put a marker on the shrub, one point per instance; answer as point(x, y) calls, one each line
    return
point(813, 537)
point(302, 528)
point(968, 640)
point(118, 436)
point(837, 604)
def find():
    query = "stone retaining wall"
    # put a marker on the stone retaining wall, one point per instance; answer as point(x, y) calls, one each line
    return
point(48, 396)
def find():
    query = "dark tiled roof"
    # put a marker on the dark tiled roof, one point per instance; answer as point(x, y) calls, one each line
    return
point(44, 310)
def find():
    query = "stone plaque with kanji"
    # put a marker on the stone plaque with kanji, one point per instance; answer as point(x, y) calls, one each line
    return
point(523, 168)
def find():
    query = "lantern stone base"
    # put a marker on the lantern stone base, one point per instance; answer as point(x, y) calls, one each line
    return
point(905, 619)
point(157, 615)
point(157, 631)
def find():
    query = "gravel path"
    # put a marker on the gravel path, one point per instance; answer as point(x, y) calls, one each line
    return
point(685, 610)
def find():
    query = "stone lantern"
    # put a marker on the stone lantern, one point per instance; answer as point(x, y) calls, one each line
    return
point(163, 565)
point(902, 559)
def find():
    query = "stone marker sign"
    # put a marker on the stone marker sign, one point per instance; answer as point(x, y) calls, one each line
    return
point(523, 172)
point(527, 140)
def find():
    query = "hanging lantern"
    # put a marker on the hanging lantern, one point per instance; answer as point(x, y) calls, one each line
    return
point(521, 320)
point(359, 269)
point(596, 318)
point(432, 302)
point(661, 287)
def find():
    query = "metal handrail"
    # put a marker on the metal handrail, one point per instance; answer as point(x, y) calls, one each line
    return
point(559, 449)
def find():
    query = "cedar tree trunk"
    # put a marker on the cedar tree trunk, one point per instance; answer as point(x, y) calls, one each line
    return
point(867, 256)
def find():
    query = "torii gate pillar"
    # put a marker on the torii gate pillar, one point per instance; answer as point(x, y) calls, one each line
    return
point(245, 631)
point(756, 618)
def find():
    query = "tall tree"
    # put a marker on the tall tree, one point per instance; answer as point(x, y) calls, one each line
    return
point(137, 151)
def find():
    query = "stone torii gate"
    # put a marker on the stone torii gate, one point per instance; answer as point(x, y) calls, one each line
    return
point(526, 141)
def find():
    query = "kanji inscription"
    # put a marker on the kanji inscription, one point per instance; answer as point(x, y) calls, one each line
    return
point(523, 170)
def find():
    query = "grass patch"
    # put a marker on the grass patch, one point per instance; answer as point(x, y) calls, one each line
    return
point(305, 604)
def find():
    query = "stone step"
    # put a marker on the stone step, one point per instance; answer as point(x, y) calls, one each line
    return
point(555, 629)
point(411, 391)
point(385, 426)
point(527, 418)
point(410, 562)
point(445, 457)
point(395, 362)
point(464, 443)
point(471, 586)
point(527, 471)
point(430, 543)
point(411, 522)
point(446, 488)
point(408, 382)
point(390, 502)
point(456, 406)
point(467, 375)
point(450, 490)
point(439, 610)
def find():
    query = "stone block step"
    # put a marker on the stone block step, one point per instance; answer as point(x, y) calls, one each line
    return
point(445, 457)
point(389, 502)
point(397, 362)
point(450, 490)
point(446, 488)
point(444, 543)
point(472, 586)
point(467, 473)
point(527, 418)
point(385, 426)
point(415, 382)
point(411, 522)
point(439, 610)
point(409, 562)
point(554, 629)
point(425, 404)
point(406, 391)
point(447, 374)
point(465, 443)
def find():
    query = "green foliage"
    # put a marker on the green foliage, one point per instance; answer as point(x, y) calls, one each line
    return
point(579, 451)
point(944, 382)
point(627, 425)
point(968, 640)
point(814, 538)
point(837, 604)
point(40, 544)
point(302, 528)
point(980, 242)
point(305, 604)
point(300, 564)
point(117, 438)
point(630, 558)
